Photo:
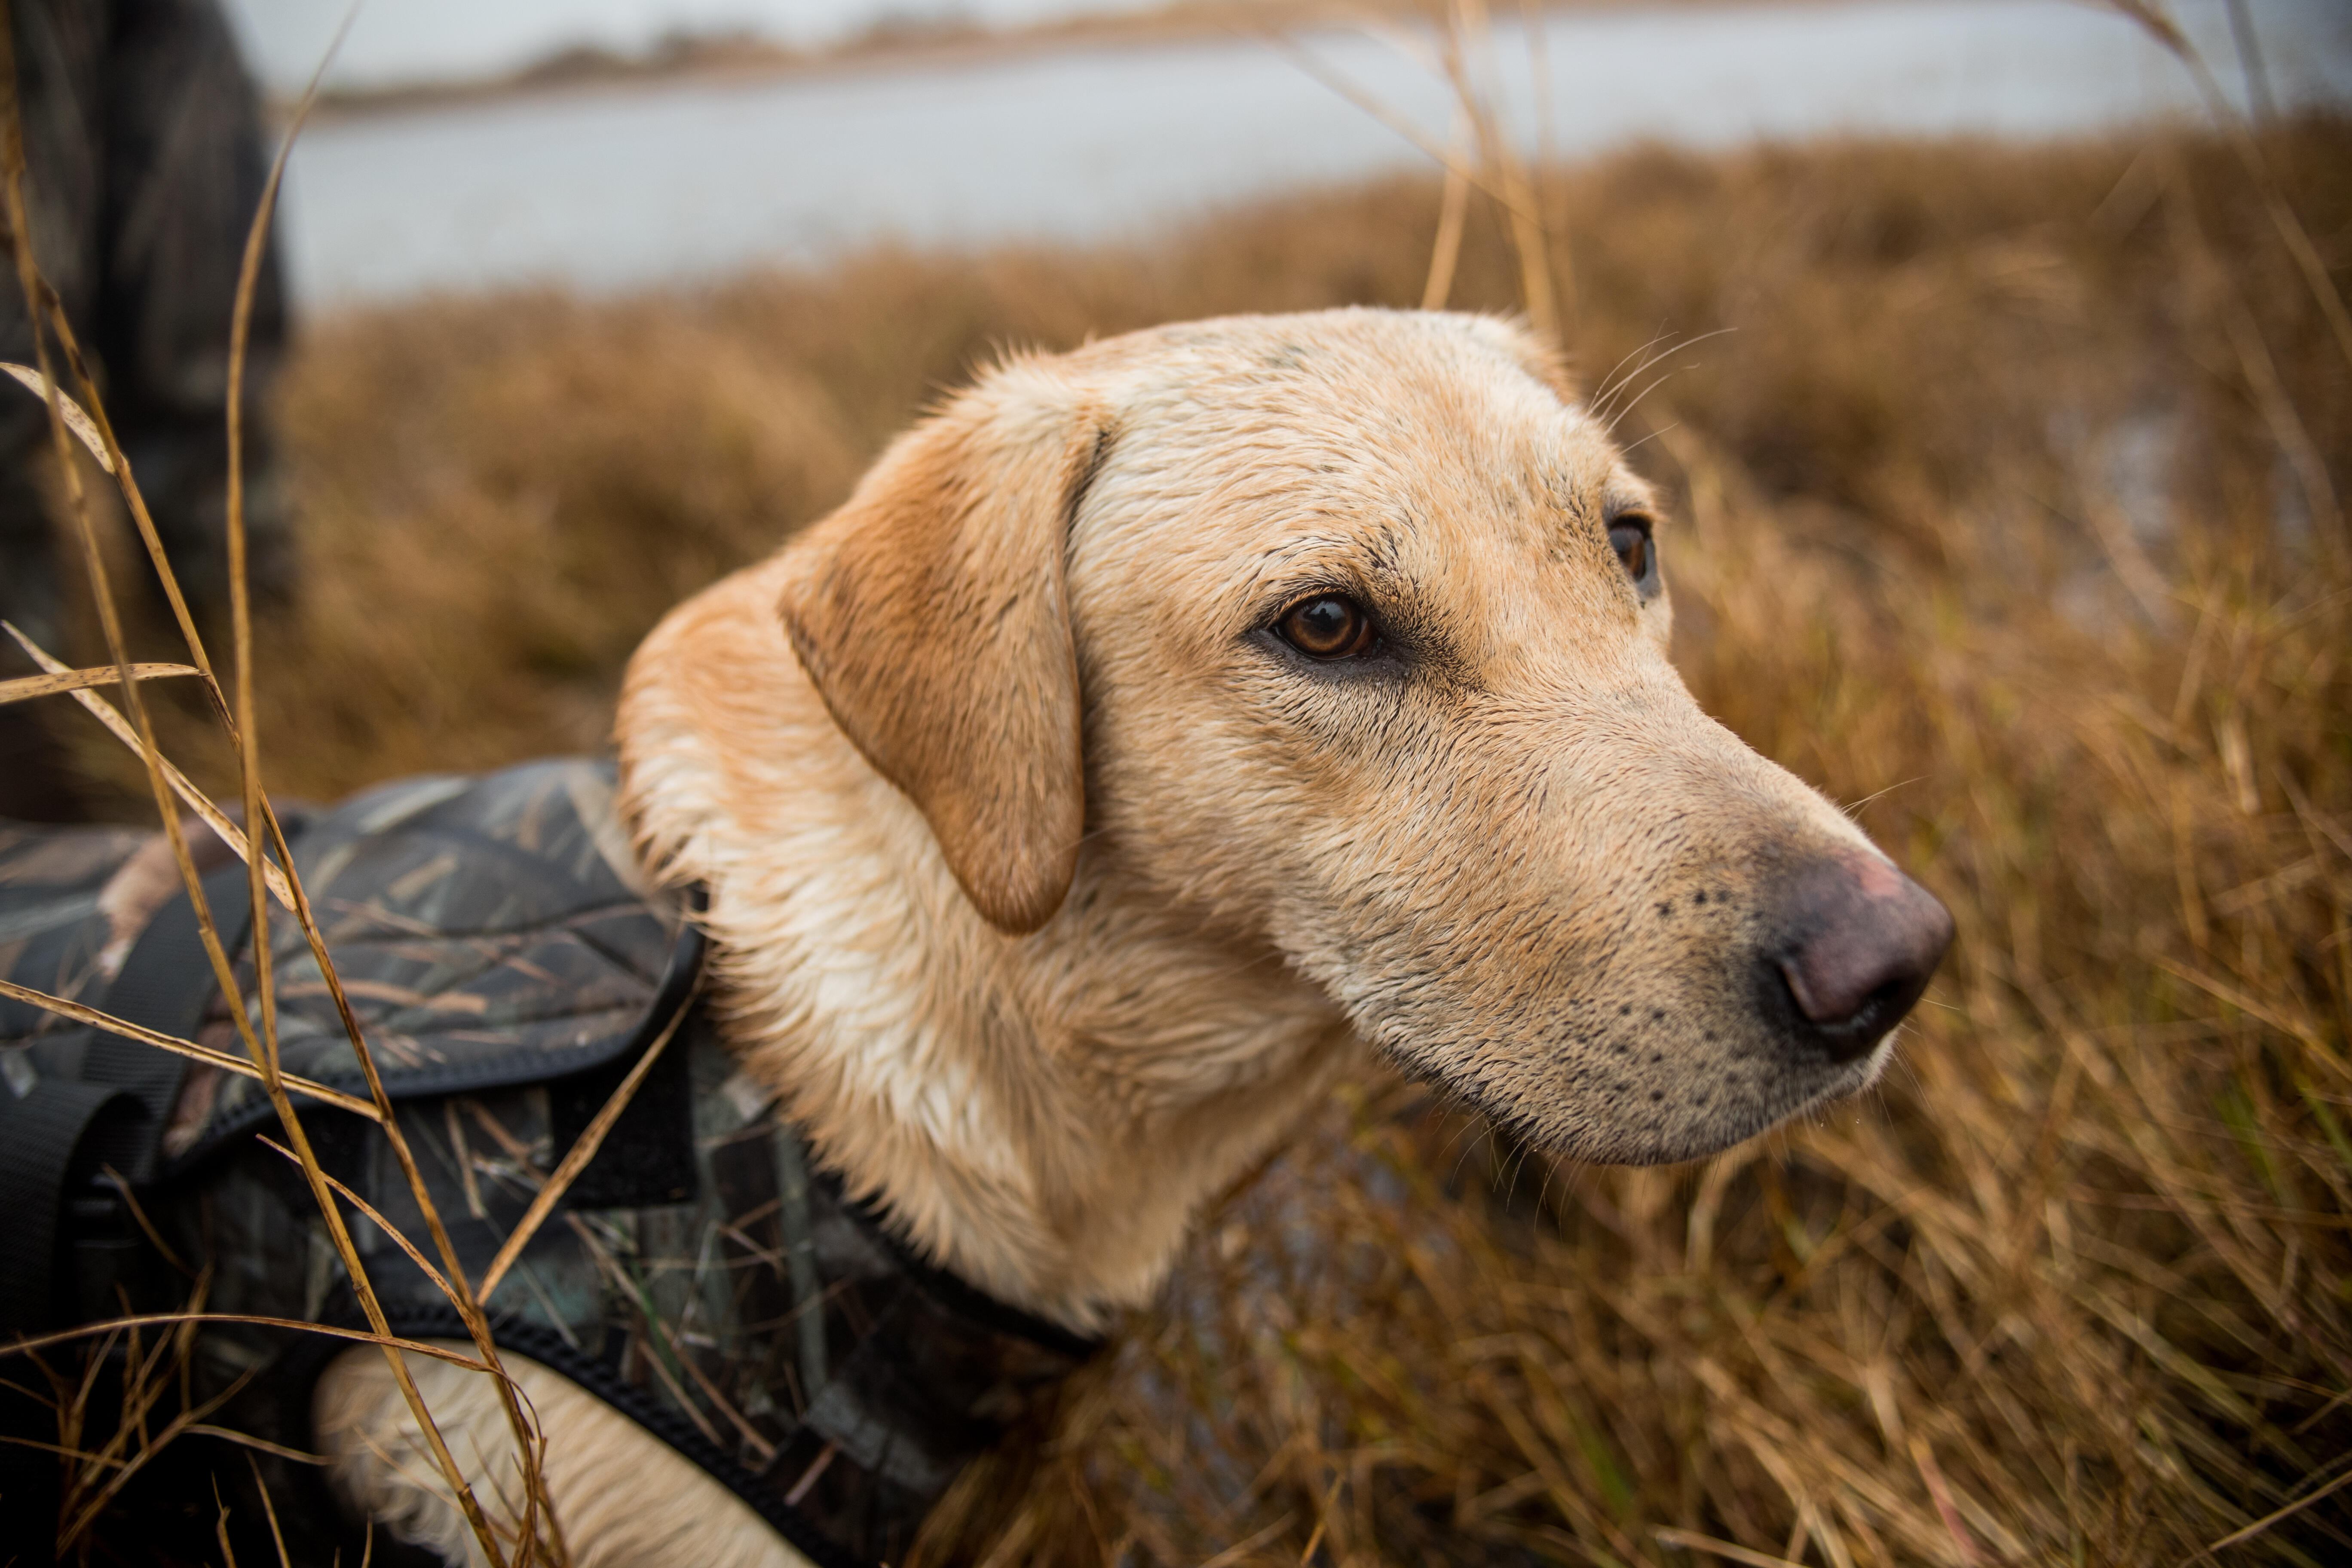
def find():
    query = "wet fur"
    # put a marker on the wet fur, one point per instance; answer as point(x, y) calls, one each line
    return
point(1050, 888)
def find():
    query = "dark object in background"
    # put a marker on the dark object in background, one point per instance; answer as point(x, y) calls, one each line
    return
point(143, 141)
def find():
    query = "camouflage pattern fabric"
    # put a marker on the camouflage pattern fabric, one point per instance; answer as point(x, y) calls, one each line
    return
point(698, 1274)
point(54, 936)
point(485, 929)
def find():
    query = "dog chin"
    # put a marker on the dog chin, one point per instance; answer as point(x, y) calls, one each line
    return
point(1730, 1118)
point(1792, 1094)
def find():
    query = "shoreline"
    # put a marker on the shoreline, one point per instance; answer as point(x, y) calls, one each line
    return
point(746, 59)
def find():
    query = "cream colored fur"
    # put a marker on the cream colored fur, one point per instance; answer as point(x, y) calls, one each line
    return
point(625, 1500)
point(1049, 890)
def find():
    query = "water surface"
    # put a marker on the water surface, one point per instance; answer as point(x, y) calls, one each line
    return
point(614, 188)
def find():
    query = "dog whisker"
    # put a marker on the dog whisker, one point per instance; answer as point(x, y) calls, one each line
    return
point(1603, 402)
point(1854, 808)
point(1608, 404)
point(1623, 413)
point(1636, 446)
point(1601, 390)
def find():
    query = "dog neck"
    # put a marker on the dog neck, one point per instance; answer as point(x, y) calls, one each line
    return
point(1043, 1115)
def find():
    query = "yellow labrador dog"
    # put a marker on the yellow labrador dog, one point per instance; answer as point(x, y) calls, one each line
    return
point(1161, 731)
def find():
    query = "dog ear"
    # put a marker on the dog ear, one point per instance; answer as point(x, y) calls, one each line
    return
point(930, 612)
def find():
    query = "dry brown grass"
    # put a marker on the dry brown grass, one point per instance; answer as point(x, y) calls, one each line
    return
point(2008, 512)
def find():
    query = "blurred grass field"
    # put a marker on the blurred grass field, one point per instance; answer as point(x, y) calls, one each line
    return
point(2006, 509)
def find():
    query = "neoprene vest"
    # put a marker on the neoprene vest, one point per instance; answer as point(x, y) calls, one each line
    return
point(507, 968)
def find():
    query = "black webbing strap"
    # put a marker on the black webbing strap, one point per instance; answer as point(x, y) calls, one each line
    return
point(41, 1136)
point(55, 1140)
point(166, 984)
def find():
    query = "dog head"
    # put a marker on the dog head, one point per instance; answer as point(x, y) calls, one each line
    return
point(1343, 637)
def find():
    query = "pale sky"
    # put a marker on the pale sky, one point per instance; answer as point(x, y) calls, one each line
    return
point(407, 40)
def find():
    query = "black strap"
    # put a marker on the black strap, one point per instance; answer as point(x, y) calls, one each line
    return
point(57, 1134)
point(55, 1141)
point(166, 984)
point(965, 1300)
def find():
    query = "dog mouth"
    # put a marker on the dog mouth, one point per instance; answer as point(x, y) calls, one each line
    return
point(1728, 1113)
point(1627, 1053)
point(1863, 1031)
point(1642, 1103)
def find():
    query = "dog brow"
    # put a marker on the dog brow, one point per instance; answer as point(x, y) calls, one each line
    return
point(1350, 558)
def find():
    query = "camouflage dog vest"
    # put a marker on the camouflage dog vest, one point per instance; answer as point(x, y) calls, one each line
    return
point(507, 968)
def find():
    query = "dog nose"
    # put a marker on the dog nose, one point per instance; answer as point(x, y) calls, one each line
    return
point(1858, 942)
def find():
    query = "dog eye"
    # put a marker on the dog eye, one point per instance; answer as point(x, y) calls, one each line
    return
point(1328, 625)
point(1628, 536)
